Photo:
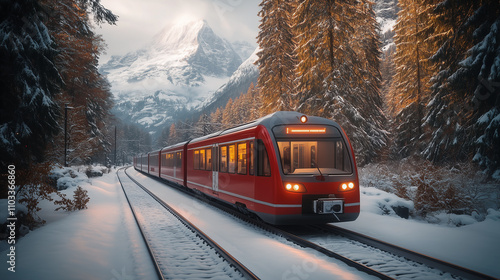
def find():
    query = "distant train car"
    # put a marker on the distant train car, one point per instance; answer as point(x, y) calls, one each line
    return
point(172, 167)
point(286, 168)
point(143, 162)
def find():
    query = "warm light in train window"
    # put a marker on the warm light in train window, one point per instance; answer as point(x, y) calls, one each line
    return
point(299, 130)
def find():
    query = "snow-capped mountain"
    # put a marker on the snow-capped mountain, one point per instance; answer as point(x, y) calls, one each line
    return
point(243, 48)
point(239, 83)
point(386, 12)
point(181, 65)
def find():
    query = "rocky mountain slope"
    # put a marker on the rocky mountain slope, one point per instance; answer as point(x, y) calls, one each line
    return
point(172, 74)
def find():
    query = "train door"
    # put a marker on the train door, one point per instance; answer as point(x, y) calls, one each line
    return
point(215, 168)
point(303, 155)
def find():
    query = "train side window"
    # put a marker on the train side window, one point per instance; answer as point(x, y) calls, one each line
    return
point(196, 159)
point(208, 153)
point(223, 159)
point(178, 159)
point(202, 160)
point(164, 160)
point(242, 158)
point(263, 166)
point(168, 160)
point(232, 158)
point(250, 157)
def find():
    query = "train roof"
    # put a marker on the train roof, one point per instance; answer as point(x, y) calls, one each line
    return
point(270, 121)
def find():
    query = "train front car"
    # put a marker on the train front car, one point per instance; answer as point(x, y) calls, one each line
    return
point(319, 180)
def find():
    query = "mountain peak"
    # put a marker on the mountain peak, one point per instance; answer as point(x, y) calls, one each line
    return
point(185, 59)
point(180, 34)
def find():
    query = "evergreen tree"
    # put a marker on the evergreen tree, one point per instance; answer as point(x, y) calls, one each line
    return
point(410, 84)
point(84, 88)
point(276, 58)
point(463, 115)
point(29, 81)
point(254, 102)
point(333, 80)
point(173, 137)
point(216, 119)
point(228, 116)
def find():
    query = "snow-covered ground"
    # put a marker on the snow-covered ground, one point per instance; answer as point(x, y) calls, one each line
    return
point(102, 242)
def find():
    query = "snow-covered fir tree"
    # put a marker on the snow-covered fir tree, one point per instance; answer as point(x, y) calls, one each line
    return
point(444, 119)
point(276, 58)
point(85, 89)
point(29, 81)
point(464, 114)
point(410, 84)
point(333, 78)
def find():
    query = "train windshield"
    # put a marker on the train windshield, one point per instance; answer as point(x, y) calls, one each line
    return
point(327, 157)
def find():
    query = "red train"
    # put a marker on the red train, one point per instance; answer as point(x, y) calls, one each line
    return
point(286, 168)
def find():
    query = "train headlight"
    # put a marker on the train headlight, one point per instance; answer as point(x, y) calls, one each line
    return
point(295, 187)
point(303, 119)
point(347, 186)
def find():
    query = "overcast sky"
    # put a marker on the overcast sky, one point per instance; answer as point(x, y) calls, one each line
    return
point(139, 20)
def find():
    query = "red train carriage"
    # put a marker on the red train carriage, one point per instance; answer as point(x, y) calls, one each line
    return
point(286, 168)
point(172, 167)
point(141, 162)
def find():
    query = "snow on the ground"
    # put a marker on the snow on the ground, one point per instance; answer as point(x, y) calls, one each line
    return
point(476, 245)
point(267, 256)
point(102, 242)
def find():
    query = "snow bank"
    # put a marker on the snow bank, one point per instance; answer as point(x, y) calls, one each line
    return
point(101, 242)
point(382, 203)
point(458, 239)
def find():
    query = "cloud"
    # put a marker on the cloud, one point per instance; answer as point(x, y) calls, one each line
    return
point(139, 21)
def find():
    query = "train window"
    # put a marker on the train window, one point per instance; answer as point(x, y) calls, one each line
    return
point(208, 153)
point(169, 160)
point(223, 159)
point(178, 159)
point(196, 159)
point(250, 158)
point(242, 158)
point(202, 160)
point(164, 160)
point(314, 157)
point(263, 166)
point(232, 158)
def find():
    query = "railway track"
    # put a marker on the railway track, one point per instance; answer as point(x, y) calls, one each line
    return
point(178, 249)
point(391, 260)
point(374, 257)
point(407, 254)
point(273, 231)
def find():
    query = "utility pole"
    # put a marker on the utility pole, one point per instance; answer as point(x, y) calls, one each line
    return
point(66, 108)
point(115, 145)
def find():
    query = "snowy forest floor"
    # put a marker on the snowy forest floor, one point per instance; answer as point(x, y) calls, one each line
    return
point(102, 242)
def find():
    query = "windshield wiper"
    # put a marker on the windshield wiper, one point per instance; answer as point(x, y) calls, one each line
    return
point(320, 177)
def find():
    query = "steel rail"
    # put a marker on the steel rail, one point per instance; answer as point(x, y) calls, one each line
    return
point(409, 254)
point(272, 229)
point(247, 273)
point(148, 245)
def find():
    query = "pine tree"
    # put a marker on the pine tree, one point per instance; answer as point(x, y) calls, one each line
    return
point(410, 84)
point(228, 117)
point(216, 119)
point(84, 88)
point(448, 48)
point(463, 117)
point(173, 137)
point(276, 58)
point(334, 81)
point(29, 81)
